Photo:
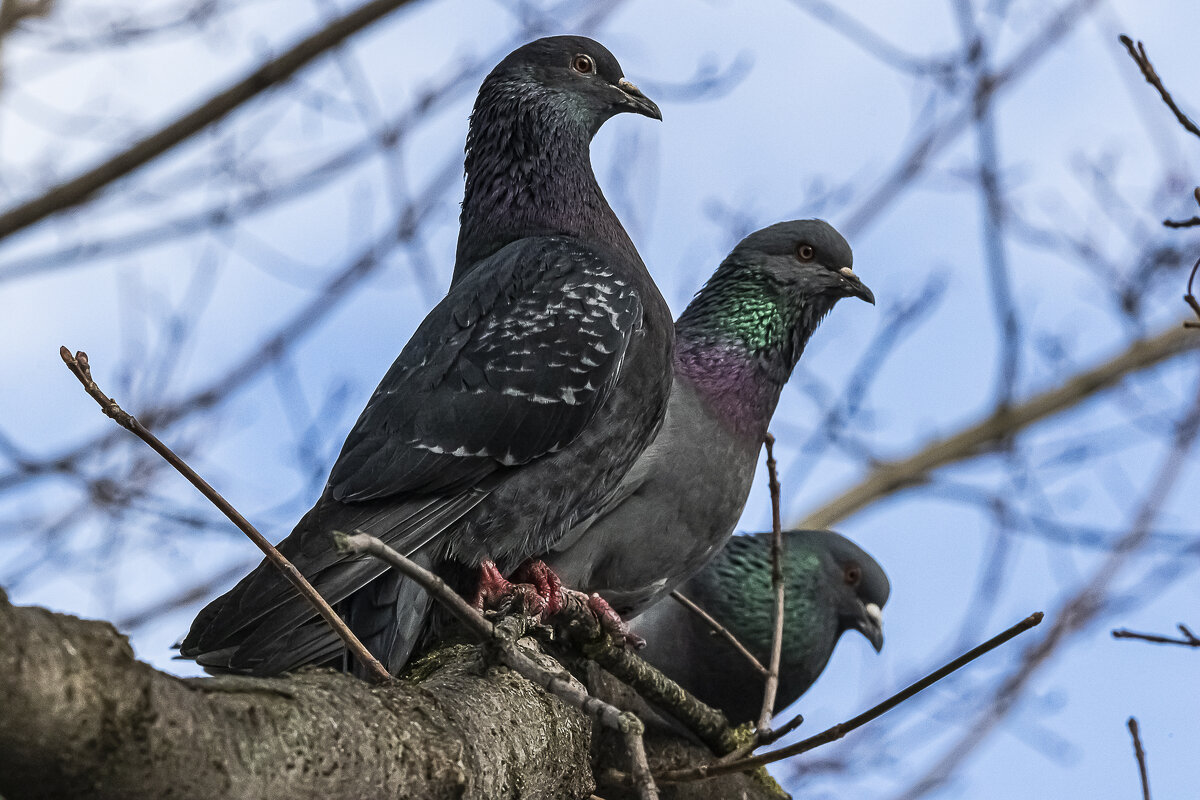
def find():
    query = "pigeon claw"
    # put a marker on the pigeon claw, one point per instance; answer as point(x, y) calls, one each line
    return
point(493, 587)
point(611, 622)
point(497, 593)
point(544, 582)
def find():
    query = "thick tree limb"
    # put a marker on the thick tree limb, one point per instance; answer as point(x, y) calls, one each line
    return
point(893, 476)
point(83, 718)
point(80, 188)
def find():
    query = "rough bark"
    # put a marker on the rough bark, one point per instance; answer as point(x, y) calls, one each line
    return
point(83, 718)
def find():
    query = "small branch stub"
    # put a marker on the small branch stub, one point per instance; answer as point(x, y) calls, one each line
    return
point(1189, 298)
point(1140, 754)
point(1188, 638)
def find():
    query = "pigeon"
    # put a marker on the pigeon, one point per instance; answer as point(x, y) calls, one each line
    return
point(736, 346)
point(832, 586)
point(516, 407)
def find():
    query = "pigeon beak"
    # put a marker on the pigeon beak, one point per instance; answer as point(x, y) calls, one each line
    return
point(857, 287)
point(870, 625)
point(634, 100)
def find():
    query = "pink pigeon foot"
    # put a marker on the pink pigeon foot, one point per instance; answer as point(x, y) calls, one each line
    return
point(497, 592)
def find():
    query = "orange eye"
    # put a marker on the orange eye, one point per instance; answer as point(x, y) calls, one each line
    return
point(583, 64)
point(805, 252)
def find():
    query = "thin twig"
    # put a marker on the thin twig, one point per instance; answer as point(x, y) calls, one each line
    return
point(841, 729)
point(1190, 298)
point(720, 630)
point(1189, 639)
point(80, 188)
point(78, 364)
point(1138, 54)
point(762, 739)
point(1141, 756)
point(769, 691)
point(557, 682)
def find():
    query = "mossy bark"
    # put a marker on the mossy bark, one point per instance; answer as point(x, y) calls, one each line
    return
point(80, 717)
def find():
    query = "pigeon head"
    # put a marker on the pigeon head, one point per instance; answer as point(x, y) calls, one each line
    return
point(832, 586)
point(806, 258)
point(528, 163)
point(742, 334)
point(854, 580)
point(575, 74)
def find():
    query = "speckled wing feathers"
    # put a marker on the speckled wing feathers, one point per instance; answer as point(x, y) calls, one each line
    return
point(512, 365)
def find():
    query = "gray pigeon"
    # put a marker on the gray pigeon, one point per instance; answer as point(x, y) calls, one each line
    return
point(736, 346)
point(517, 405)
point(832, 587)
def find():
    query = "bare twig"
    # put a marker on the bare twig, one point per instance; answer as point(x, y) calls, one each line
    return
point(762, 739)
point(1140, 754)
point(277, 70)
point(772, 687)
point(720, 630)
point(1188, 639)
point(78, 364)
point(841, 729)
point(557, 682)
point(1138, 53)
point(1190, 298)
point(889, 477)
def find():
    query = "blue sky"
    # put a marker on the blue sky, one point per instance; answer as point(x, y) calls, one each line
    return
point(807, 123)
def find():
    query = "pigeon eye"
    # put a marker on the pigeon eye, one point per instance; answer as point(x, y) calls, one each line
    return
point(806, 252)
point(852, 575)
point(583, 64)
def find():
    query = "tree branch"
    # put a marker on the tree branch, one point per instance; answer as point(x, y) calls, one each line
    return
point(556, 681)
point(80, 188)
point(1138, 53)
point(1188, 639)
point(889, 477)
point(841, 729)
point(779, 587)
point(720, 630)
point(78, 364)
point(84, 719)
point(1140, 754)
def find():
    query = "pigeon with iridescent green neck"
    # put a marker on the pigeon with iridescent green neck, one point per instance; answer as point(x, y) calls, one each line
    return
point(735, 347)
point(832, 586)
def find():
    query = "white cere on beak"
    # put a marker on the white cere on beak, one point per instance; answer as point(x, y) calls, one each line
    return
point(849, 273)
point(875, 614)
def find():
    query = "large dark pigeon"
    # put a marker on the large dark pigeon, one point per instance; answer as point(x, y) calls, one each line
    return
point(517, 406)
point(736, 346)
point(832, 587)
